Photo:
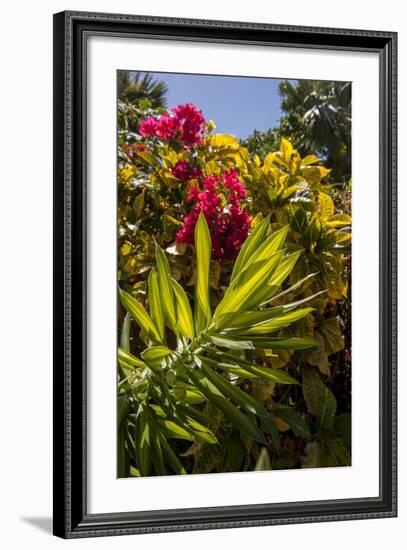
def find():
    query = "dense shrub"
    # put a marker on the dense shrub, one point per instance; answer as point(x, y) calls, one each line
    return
point(174, 170)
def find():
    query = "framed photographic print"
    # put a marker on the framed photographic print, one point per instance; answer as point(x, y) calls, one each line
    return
point(225, 274)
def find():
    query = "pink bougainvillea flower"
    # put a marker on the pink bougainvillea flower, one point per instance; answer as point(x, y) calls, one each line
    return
point(148, 127)
point(184, 122)
point(167, 126)
point(233, 183)
point(228, 222)
point(184, 172)
point(191, 123)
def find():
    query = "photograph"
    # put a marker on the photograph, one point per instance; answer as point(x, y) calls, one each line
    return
point(234, 258)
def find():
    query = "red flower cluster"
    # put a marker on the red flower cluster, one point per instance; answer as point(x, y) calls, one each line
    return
point(228, 223)
point(133, 148)
point(185, 122)
point(185, 172)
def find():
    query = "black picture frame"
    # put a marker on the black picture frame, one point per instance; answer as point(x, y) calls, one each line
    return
point(71, 519)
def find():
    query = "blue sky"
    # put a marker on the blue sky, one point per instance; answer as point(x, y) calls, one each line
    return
point(237, 105)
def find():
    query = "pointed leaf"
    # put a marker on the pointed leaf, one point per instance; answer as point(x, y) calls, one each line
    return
point(203, 247)
point(142, 441)
point(185, 323)
point(240, 420)
point(251, 244)
point(229, 343)
point(275, 375)
point(297, 423)
point(264, 322)
point(320, 400)
point(155, 303)
point(238, 396)
point(282, 343)
point(156, 354)
point(140, 315)
point(128, 361)
point(172, 457)
point(125, 333)
point(242, 297)
point(165, 286)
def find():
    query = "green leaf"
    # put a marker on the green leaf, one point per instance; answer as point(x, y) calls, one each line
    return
point(240, 420)
point(128, 361)
point(293, 287)
point(140, 315)
point(235, 453)
point(155, 303)
point(335, 452)
point(272, 244)
point(122, 410)
point(157, 457)
point(123, 459)
point(172, 429)
point(155, 354)
point(238, 396)
point(201, 433)
point(277, 310)
point(203, 247)
point(171, 456)
point(125, 333)
point(185, 323)
point(297, 423)
point(251, 244)
point(284, 269)
point(242, 297)
point(264, 342)
point(142, 441)
point(320, 400)
point(276, 277)
point(196, 414)
point(274, 375)
point(273, 324)
point(228, 343)
point(165, 286)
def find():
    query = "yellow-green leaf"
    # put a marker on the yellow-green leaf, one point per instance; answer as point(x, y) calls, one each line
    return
point(128, 361)
point(203, 247)
point(165, 286)
point(155, 303)
point(251, 244)
point(155, 354)
point(223, 140)
point(185, 323)
point(286, 149)
point(240, 297)
point(326, 206)
point(278, 322)
point(140, 315)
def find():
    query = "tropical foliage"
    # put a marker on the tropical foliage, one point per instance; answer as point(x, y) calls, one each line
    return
point(317, 117)
point(233, 276)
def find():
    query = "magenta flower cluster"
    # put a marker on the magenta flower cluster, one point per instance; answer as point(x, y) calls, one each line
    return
point(184, 122)
point(228, 221)
point(185, 172)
